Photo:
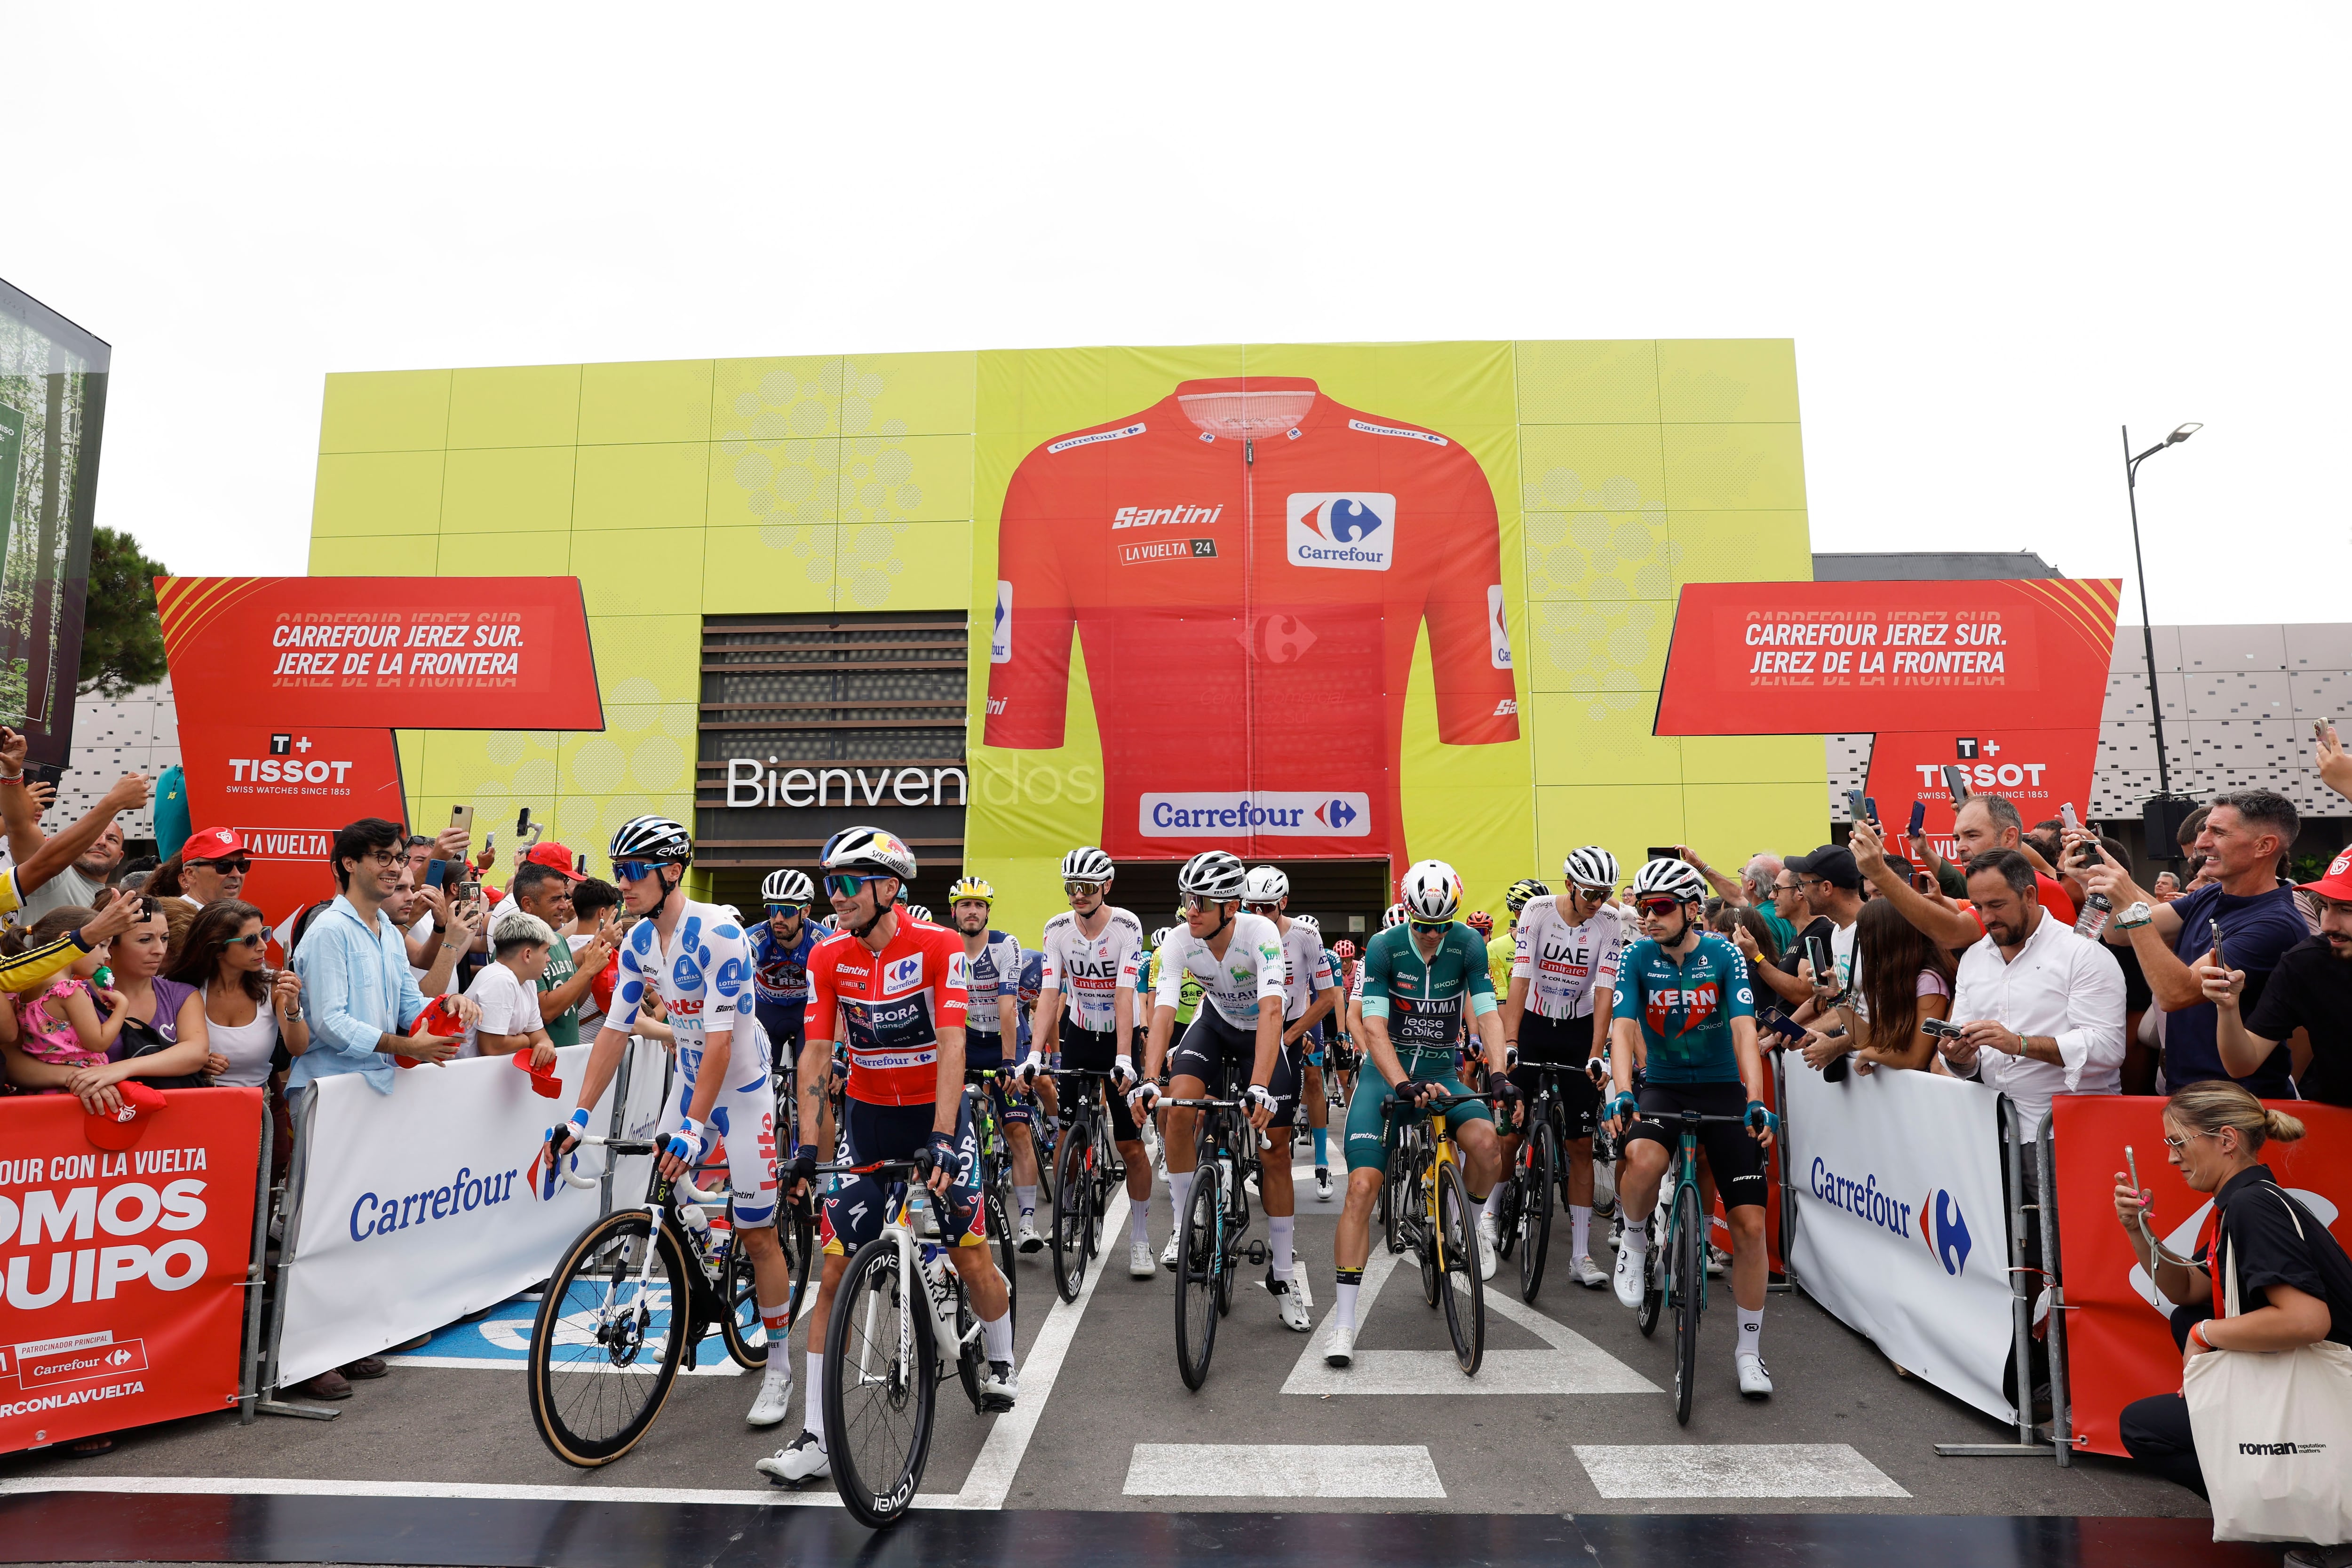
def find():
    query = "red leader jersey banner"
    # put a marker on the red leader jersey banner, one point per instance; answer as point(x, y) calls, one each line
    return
point(2118, 1335)
point(123, 1273)
point(286, 791)
point(1795, 658)
point(409, 653)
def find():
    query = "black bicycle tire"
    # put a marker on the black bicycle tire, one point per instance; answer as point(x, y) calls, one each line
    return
point(1463, 1250)
point(741, 1287)
point(1536, 1197)
point(1391, 1215)
point(1069, 1219)
point(874, 1510)
point(1201, 1213)
point(583, 1453)
point(1425, 1174)
point(1003, 1233)
point(1689, 1294)
point(1654, 1285)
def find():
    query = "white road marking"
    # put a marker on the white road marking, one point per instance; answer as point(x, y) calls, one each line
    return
point(1733, 1470)
point(822, 1496)
point(1276, 1469)
point(726, 1367)
point(1573, 1364)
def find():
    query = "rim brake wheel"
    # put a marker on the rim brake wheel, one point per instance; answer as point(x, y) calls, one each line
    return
point(1199, 1261)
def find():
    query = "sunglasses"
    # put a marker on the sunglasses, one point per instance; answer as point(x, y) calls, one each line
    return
point(787, 909)
point(634, 871)
point(1085, 889)
point(255, 939)
point(1429, 925)
point(1193, 903)
point(240, 864)
point(846, 884)
point(1659, 906)
point(1265, 909)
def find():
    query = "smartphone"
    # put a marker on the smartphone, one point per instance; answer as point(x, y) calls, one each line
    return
point(2319, 728)
point(1857, 808)
point(1956, 779)
point(2066, 814)
point(462, 818)
point(435, 872)
point(1918, 818)
point(1940, 1028)
point(1870, 809)
point(1781, 1027)
point(522, 822)
point(2219, 956)
point(1665, 852)
point(1825, 971)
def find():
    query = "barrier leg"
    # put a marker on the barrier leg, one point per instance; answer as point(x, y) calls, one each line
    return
point(267, 1403)
point(1780, 1152)
point(2061, 1405)
point(2021, 1311)
point(257, 1273)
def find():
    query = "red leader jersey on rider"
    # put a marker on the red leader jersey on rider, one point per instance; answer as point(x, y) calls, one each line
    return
point(1249, 565)
point(893, 1003)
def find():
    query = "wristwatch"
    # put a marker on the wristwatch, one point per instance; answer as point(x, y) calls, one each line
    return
point(2133, 918)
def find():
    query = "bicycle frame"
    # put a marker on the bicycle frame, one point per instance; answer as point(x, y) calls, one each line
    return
point(1431, 1112)
point(660, 1192)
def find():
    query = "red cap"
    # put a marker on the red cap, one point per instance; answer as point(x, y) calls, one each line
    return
point(2337, 882)
point(545, 1082)
point(121, 1129)
point(212, 844)
point(554, 857)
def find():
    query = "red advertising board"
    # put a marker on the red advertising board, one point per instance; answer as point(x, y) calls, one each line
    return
point(2118, 1340)
point(123, 1272)
point(1794, 658)
point(287, 790)
point(421, 653)
point(2035, 770)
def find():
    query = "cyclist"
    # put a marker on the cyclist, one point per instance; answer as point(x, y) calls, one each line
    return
point(1308, 994)
point(991, 993)
point(1419, 975)
point(1086, 1006)
point(898, 987)
point(1563, 994)
point(695, 958)
point(1238, 959)
point(1502, 951)
point(781, 946)
point(1687, 1010)
point(1347, 973)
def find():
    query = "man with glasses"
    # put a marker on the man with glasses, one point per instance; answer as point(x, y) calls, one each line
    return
point(992, 1002)
point(212, 864)
point(1563, 989)
point(699, 961)
point(1829, 881)
point(780, 947)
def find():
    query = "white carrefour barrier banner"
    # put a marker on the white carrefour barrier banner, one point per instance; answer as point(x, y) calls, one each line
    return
point(420, 1206)
point(1901, 1229)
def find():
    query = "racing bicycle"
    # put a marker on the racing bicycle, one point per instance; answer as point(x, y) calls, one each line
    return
point(995, 1162)
point(1675, 1270)
point(1538, 1184)
point(1213, 1231)
point(1086, 1170)
point(1431, 1215)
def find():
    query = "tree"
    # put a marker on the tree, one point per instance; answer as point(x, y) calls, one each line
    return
point(121, 638)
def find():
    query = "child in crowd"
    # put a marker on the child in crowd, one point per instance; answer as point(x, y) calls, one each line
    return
point(506, 990)
point(59, 1022)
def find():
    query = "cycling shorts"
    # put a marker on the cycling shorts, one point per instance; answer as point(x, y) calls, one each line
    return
point(1369, 1125)
point(1222, 1058)
point(782, 1020)
point(1735, 1157)
point(743, 1118)
point(853, 1209)
point(1096, 1050)
point(1560, 1042)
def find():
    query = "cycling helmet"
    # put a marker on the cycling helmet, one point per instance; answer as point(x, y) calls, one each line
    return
point(1211, 874)
point(869, 849)
point(1678, 879)
point(1527, 888)
point(1480, 921)
point(1309, 921)
point(652, 839)
point(1433, 893)
point(919, 912)
point(1265, 884)
point(1086, 865)
point(787, 887)
point(1159, 937)
point(1394, 917)
point(1344, 950)
point(971, 888)
point(1590, 867)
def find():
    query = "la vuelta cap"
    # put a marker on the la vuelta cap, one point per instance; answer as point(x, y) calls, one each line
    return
point(2337, 882)
point(119, 1130)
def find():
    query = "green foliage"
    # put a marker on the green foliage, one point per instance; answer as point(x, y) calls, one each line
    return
point(121, 639)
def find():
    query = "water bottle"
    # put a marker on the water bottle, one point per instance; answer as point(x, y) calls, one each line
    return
point(2093, 921)
point(696, 1220)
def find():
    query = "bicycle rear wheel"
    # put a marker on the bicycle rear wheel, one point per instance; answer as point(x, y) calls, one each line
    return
point(746, 1334)
point(605, 1348)
point(1200, 1260)
point(1689, 1292)
point(1536, 1181)
point(881, 1386)
point(1072, 1189)
point(1458, 1271)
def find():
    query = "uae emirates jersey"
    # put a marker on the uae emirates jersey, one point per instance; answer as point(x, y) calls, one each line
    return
point(1248, 565)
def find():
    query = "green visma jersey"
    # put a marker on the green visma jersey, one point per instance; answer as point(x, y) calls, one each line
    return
point(1423, 1000)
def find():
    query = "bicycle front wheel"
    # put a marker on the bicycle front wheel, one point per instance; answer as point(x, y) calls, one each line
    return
point(1200, 1260)
point(1535, 1212)
point(1072, 1188)
point(1003, 1233)
point(881, 1386)
point(1459, 1270)
point(610, 1334)
point(1654, 1269)
point(1689, 1292)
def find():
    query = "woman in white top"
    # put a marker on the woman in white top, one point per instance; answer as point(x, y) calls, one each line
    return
point(247, 1012)
point(1898, 980)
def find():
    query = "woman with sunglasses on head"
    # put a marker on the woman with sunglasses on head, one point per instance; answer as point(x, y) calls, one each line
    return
point(253, 1018)
point(164, 1038)
point(211, 865)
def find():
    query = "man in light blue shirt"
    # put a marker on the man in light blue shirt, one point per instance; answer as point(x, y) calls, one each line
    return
point(358, 992)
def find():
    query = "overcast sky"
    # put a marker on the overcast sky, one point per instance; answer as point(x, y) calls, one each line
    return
point(1995, 233)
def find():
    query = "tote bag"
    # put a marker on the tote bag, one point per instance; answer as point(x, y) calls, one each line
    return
point(2273, 1432)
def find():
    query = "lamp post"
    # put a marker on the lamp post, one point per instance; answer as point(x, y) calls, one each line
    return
point(2147, 630)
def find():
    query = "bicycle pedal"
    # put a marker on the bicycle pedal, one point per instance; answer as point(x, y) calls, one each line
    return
point(1257, 1254)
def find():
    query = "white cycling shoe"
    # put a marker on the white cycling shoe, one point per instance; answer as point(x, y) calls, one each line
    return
point(1486, 1247)
point(1755, 1383)
point(802, 1460)
point(999, 1385)
point(1288, 1307)
point(1627, 1278)
point(1322, 1186)
point(1140, 1264)
point(1026, 1240)
point(1340, 1346)
point(1587, 1273)
point(775, 1395)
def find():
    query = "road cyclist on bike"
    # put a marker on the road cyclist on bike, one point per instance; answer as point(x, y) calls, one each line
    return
point(992, 1009)
point(897, 984)
point(697, 961)
point(1237, 1036)
point(1562, 995)
point(1421, 974)
point(781, 946)
point(1686, 1009)
point(1340, 1055)
point(1309, 993)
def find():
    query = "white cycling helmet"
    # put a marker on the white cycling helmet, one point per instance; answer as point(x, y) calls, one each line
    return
point(1159, 936)
point(1086, 865)
point(1590, 867)
point(1211, 874)
point(1394, 917)
point(1265, 884)
point(1433, 893)
point(872, 851)
point(922, 913)
point(1309, 921)
point(1678, 879)
point(787, 887)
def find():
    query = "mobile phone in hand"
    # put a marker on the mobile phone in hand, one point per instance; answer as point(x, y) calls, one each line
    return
point(1956, 779)
point(435, 872)
point(1940, 1028)
point(2219, 956)
point(1856, 809)
point(1825, 973)
point(1870, 809)
point(1918, 818)
point(2319, 728)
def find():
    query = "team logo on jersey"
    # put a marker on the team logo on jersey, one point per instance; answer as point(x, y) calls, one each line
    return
point(1121, 434)
point(1351, 530)
point(1168, 550)
point(1696, 1002)
point(904, 975)
point(1000, 639)
point(1499, 629)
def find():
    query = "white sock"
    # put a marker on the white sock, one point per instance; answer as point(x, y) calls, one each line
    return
point(1749, 1341)
point(1278, 1243)
point(1636, 1239)
point(1139, 1221)
point(1348, 1305)
point(1580, 1229)
point(815, 1419)
point(1180, 1187)
point(996, 1337)
point(1028, 1198)
point(1478, 1208)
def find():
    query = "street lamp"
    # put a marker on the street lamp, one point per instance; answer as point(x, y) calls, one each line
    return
point(2147, 631)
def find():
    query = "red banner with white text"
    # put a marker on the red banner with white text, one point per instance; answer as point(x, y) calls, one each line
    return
point(2035, 770)
point(286, 791)
point(2118, 1336)
point(122, 1274)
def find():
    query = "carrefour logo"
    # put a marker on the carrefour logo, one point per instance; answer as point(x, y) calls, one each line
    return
point(1945, 1231)
point(1941, 1226)
point(1281, 813)
point(1351, 530)
point(902, 975)
point(1000, 638)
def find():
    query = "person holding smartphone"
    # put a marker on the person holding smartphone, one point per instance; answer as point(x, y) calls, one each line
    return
point(1830, 883)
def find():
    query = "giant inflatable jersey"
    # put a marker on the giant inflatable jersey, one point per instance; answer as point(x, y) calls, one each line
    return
point(1249, 565)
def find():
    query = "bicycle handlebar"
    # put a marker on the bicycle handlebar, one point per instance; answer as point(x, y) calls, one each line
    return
point(1263, 1141)
point(684, 1186)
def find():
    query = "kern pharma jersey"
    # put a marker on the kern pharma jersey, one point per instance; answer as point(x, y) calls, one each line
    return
point(1249, 565)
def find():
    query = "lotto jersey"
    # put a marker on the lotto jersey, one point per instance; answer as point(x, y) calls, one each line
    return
point(1089, 969)
point(992, 983)
point(1249, 565)
point(779, 968)
point(1188, 991)
point(1684, 1009)
point(893, 1003)
point(1421, 998)
point(1563, 964)
point(1252, 968)
point(703, 976)
point(1307, 969)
